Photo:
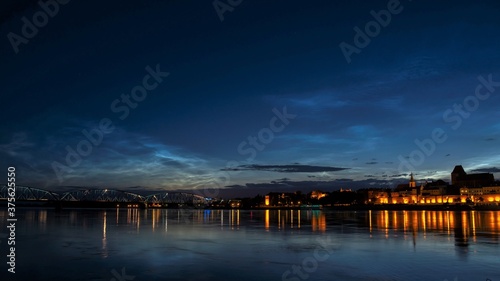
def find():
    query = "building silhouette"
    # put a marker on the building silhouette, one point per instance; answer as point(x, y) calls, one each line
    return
point(461, 179)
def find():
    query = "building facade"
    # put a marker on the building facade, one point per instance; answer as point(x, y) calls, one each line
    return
point(465, 188)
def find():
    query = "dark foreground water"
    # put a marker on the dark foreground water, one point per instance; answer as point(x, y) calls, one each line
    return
point(125, 245)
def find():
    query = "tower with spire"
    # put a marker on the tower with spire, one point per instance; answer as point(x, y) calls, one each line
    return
point(413, 183)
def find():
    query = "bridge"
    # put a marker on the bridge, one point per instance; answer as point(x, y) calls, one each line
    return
point(25, 193)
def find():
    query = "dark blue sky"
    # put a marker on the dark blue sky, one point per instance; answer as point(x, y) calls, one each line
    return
point(351, 124)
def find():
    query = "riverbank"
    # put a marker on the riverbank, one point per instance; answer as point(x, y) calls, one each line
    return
point(358, 207)
point(418, 207)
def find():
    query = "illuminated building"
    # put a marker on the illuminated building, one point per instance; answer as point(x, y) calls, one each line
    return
point(487, 194)
point(466, 188)
point(406, 193)
point(378, 197)
point(234, 203)
point(283, 199)
point(316, 194)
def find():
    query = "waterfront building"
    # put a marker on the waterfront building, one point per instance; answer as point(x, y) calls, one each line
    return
point(376, 196)
point(283, 199)
point(316, 194)
point(461, 179)
point(465, 188)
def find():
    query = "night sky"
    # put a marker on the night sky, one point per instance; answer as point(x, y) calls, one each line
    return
point(249, 96)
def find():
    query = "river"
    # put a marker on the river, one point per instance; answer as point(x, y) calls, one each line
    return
point(134, 244)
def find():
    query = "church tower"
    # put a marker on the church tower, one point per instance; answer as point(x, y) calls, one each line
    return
point(457, 175)
point(413, 183)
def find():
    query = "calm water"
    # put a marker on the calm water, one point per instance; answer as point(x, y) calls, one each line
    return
point(295, 245)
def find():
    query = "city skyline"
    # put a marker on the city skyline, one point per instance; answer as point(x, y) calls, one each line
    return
point(177, 96)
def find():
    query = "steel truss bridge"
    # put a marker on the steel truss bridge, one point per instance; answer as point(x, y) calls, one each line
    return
point(25, 193)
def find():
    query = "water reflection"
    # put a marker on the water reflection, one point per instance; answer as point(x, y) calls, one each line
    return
point(104, 252)
point(464, 226)
point(157, 242)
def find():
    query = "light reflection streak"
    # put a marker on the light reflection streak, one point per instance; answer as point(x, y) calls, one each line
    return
point(279, 218)
point(104, 236)
point(231, 215)
point(42, 219)
point(386, 224)
point(238, 218)
point(473, 225)
point(405, 221)
point(318, 221)
point(298, 215)
point(222, 219)
point(370, 220)
point(267, 220)
point(166, 221)
point(395, 220)
point(424, 225)
point(448, 222)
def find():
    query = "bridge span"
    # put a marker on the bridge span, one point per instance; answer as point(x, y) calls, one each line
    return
point(90, 196)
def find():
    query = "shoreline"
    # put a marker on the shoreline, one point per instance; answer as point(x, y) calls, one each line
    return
point(360, 207)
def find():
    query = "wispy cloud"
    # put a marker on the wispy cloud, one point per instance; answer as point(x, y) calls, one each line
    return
point(17, 146)
point(420, 67)
point(319, 100)
point(122, 159)
point(487, 170)
point(286, 168)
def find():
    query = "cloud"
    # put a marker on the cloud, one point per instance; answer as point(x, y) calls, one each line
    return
point(122, 159)
point(321, 100)
point(17, 146)
point(284, 179)
point(286, 168)
point(169, 162)
point(421, 67)
point(487, 170)
point(344, 180)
